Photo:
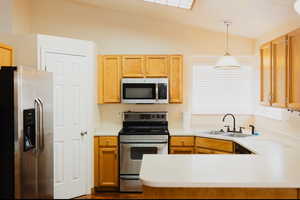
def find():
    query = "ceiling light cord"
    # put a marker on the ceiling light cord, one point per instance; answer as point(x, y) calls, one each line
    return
point(227, 38)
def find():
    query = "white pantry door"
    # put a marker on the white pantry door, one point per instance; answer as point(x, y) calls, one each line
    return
point(70, 121)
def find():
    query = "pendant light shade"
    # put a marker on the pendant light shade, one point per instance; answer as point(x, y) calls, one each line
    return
point(297, 6)
point(227, 61)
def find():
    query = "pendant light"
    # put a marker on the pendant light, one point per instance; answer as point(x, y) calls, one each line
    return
point(297, 6)
point(227, 61)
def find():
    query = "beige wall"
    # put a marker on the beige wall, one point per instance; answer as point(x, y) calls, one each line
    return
point(120, 33)
point(21, 13)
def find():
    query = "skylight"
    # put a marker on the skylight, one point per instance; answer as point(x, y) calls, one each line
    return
point(186, 4)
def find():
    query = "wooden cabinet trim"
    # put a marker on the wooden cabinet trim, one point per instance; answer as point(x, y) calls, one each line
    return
point(265, 99)
point(141, 74)
point(108, 141)
point(11, 56)
point(181, 150)
point(279, 84)
point(150, 74)
point(176, 77)
point(291, 76)
point(182, 141)
point(103, 166)
point(199, 150)
point(103, 83)
point(215, 144)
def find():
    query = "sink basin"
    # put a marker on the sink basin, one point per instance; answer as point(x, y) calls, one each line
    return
point(216, 132)
point(237, 135)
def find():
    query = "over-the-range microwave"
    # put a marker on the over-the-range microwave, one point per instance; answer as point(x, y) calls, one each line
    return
point(145, 90)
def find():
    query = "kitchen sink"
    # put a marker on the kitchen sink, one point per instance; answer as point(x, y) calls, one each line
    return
point(237, 135)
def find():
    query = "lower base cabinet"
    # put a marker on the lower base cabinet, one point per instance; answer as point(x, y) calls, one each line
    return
point(200, 145)
point(182, 150)
point(106, 164)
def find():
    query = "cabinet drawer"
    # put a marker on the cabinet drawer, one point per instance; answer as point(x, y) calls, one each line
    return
point(215, 144)
point(182, 150)
point(108, 141)
point(182, 141)
point(209, 151)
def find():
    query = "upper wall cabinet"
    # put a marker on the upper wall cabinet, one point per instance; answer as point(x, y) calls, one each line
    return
point(176, 79)
point(293, 96)
point(265, 74)
point(157, 66)
point(279, 72)
point(133, 66)
point(109, 79)
point(114, 67)
point(6, 55)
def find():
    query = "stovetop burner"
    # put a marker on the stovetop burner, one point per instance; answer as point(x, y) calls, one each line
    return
point(145, 123)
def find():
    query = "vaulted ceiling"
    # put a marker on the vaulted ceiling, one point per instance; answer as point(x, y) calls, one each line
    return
point(251, 18)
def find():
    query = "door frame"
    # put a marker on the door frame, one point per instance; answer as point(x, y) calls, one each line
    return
point(68, 46)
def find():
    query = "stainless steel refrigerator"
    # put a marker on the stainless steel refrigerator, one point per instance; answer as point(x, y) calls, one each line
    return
point(26, 125)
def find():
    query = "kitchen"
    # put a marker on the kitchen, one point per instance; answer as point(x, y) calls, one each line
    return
point(109, 36)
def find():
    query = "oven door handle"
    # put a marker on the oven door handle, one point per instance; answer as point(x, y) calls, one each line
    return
point(161, 145)
point(154, 143)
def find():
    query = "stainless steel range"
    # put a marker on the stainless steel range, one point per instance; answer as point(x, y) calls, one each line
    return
point(142, 133)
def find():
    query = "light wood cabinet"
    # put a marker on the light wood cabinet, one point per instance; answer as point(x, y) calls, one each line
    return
point(200, 145)
point(180, 141)
point(279, 72)
point(214, 144)
point(112, 68)
point(182, 150)
point(176, 79)
point(106, 165)
point(209, 151)
point(133, 66)
point(109, 79)
point(6, 55)
point(265, 74)
point(157, 66)
point(293, 97)
point(182, 144)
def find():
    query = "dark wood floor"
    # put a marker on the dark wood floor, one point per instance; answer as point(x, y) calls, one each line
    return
point(114, 196)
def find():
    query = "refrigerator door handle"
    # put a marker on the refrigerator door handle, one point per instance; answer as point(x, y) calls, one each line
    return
point(37, 124)
point(41, 122)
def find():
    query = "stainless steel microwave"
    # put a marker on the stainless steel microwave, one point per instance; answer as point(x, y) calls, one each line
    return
point(145, 90)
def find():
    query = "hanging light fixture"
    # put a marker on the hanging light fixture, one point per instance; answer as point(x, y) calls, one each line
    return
point(227, 61)
point(297, 6)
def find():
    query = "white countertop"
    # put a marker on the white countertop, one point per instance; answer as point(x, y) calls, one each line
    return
point(275, 164)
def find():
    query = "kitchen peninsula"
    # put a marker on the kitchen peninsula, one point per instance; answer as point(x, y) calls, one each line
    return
point(269, 173)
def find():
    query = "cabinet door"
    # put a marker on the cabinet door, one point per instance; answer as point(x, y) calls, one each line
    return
point(6, 55)
point(294, 70)
point(279, 72)
point(157, 66)
point(209, 151)
point(133, 66)
point(265, 74)
point(176, 79)
point(182, 150)
point(108, 167)
point(110, 79)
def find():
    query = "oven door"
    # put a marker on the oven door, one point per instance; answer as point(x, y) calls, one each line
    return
point(139, 92)
point(131, 155)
